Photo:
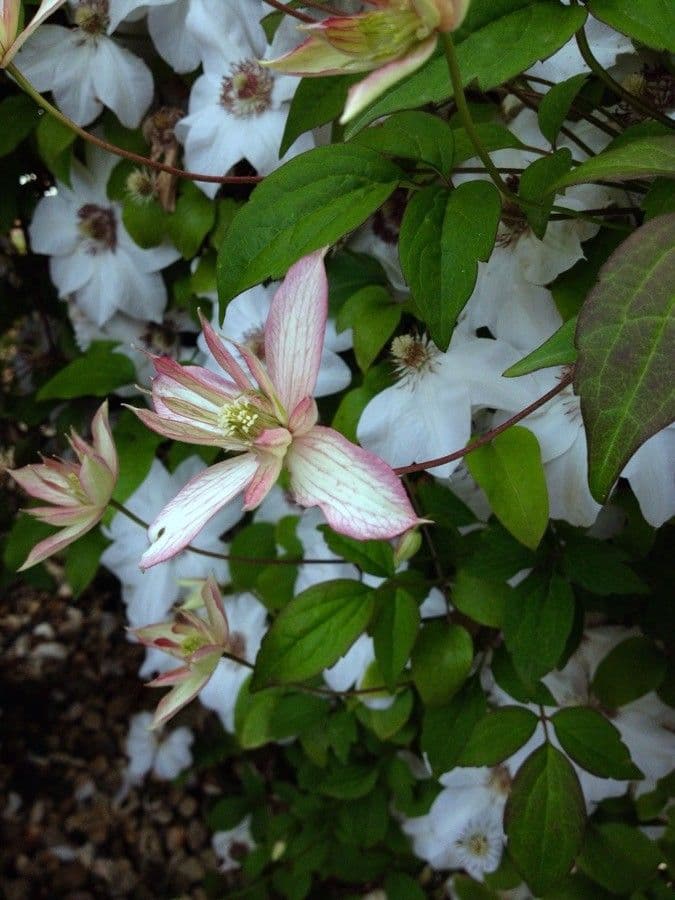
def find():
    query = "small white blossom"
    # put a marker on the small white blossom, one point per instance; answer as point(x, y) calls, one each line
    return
point(164, 753)
point(231, 846)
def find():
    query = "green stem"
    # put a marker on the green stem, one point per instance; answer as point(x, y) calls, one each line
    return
point(26, 86)
point(467, 121)
point(614, 86)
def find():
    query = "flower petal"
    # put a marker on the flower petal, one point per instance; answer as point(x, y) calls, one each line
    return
point(104, 444)
point(361, 94)
point(357, 492)
point(223, 357)
point(295, 329)
point(263, 481)
point(56, 542)
point(201, 498)
point(184, 690)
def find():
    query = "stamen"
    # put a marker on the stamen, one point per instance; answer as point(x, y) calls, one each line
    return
point(91, 16)
point(240, 419)
point(412, 355)
point(247, 92)
point(99, 226)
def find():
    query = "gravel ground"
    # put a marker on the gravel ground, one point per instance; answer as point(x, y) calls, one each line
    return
point(68, 687)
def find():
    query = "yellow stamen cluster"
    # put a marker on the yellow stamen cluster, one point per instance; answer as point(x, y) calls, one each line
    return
point(192, 643)
point(412, 354)
point(240, 419)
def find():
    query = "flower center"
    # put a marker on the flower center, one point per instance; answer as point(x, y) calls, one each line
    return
point(247, 92)
point(477, 844)
point(241, 419)
point(91, 16)
point(98, 225)
point(192, 643)
point(412, 355)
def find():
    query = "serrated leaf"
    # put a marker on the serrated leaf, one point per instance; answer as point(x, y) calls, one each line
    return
point(510, 471)
point(412, 135)
point(447, 729)
point(620, 858)
point(441, 661)
point(498, 735)
point(373, 315)
point(536, 186)
point(544, 818)
point(556, 104)
point(558, 350)
point(625, 334)
point(633, 668)
point(594, 743)
point(537, 623)
point(95, 374)
point(308, 203)
point(313, 632)
point(650, 22)
point(641, 158)
point(478, 598)
point(444, 234)
point(394, 631)
point(532, 32)
point(374, 557)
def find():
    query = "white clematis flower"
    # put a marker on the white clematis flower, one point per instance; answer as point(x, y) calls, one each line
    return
point(175, 43)
point(92, 256)
point(85, 68)
point(165, 754)
point(150, 596)
point(231, 846)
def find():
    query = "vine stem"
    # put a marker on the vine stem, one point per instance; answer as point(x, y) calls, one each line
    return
point(489, 435)
point(26, 86)
point(615, 87)
point(288, 10)
point(262, 561)
point(466, 120)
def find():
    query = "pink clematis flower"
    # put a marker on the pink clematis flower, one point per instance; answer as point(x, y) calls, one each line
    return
point(269, 417)
point(198, 642)
point(391, 42)
point(78, 492)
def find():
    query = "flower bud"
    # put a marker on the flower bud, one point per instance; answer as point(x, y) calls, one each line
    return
point(407, 546)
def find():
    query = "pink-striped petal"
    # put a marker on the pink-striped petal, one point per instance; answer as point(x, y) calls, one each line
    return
point(55, 543)
point(215, 611)
point(223, 357)
point(64, 515)
point(39, 482)
point(304, 416)
point(182, 431)
point(363, 93)
point(265, 478)
point(201, 498)
point(295, 329)
point(198, 379)
point(357, 491)
point(104, 443)
point(185, 689)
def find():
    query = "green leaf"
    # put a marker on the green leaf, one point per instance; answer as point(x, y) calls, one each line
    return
point(441, 661)
point(145, 221)
point(558, 350)
point(308, 203)
point(253, 716)
point(95, 374)
point(194, 217)
point(630, 670)
point(348, 782)
point(26, 532)
point(510, 680)
point(620, 858)
point(660, 198)
point(594, 743)
point(316, 101)
point(600, 567)
point(536, 186)
point(467, 889)
point(394, 631)
point(374, 557)
point(571, 288)
point(498, 735)
point(258, 542)
point(313, 632)
point(446, 729)
point(482, 600)
point(399, 886)
point(82, 560)
point(385, 723)
point(510, 471)
point(444, 234)
point(537, 622)
point(496, 554)
point(493, 137)
point(412, 135)
point(19, 116)
point(136, 446)
point(650, 22)
point(532, 32)
point(556, 104)
point(55, 142)
point(641, 158)
point(625, 334)
point(348, 272)
point(544, 818)
point(373, 315)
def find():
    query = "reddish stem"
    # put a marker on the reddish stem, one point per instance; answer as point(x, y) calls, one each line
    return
point(489, 435)
point(288, 10)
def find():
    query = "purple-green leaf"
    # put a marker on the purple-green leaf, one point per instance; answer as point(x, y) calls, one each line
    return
point(625, 335)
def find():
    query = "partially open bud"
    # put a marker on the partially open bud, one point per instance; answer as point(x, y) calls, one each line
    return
point(10, 40)
point(9, 22)
point(407, 546)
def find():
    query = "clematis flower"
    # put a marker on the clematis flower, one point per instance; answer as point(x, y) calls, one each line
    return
point(11, 39)
point(269, 419)
point(198, 643)
point(391, 42)
point(77, 491)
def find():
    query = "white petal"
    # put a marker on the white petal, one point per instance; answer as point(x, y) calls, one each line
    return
point(122, 81)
